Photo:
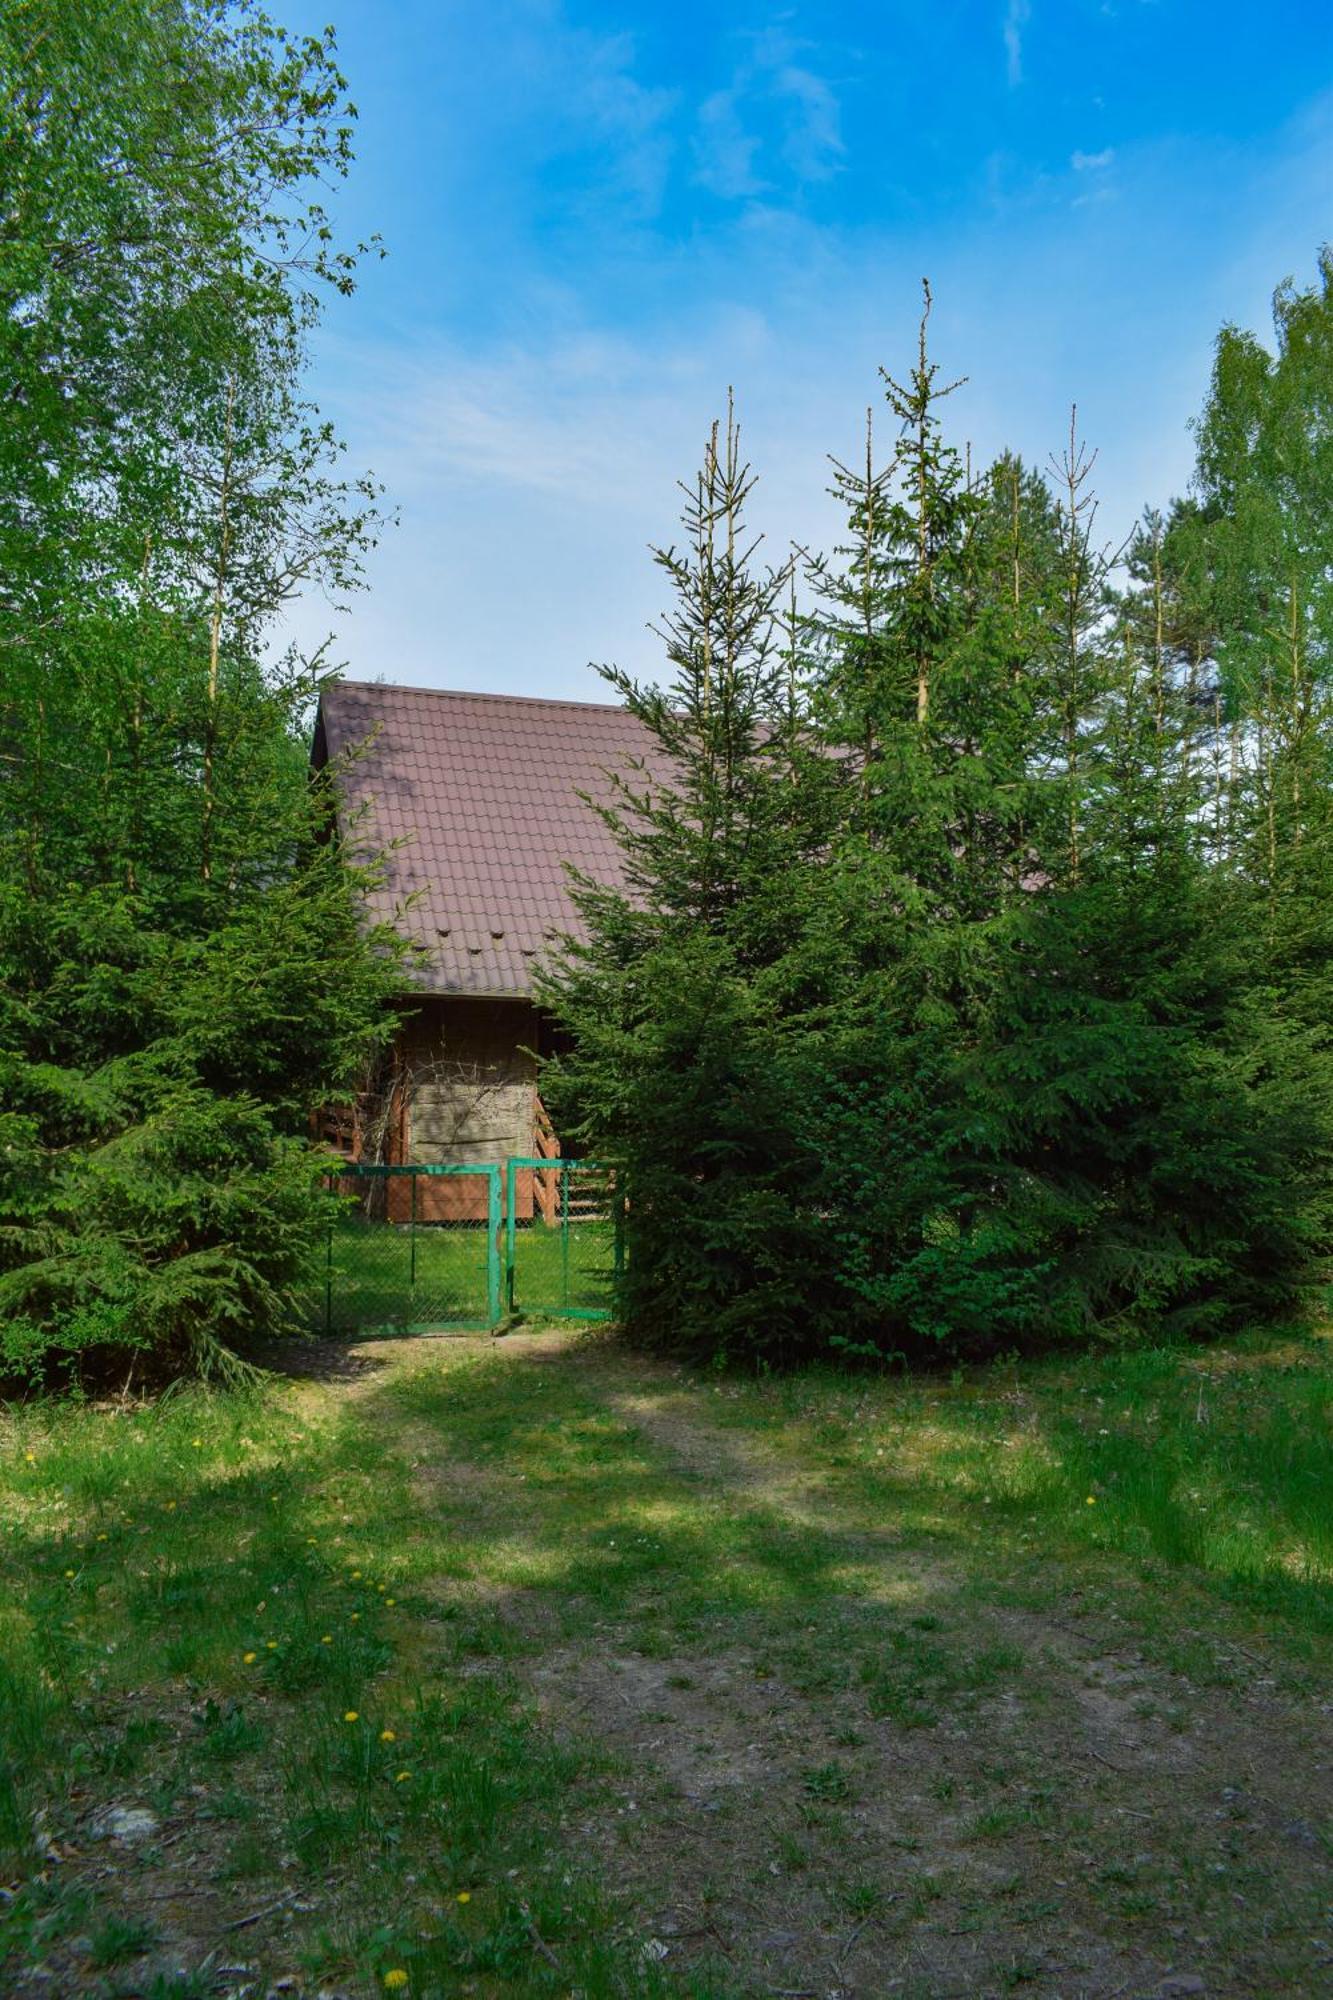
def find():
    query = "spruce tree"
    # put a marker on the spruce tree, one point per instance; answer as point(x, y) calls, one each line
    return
point(184, 973)
point(676, 1002)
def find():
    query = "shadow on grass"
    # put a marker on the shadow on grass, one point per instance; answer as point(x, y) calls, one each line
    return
point(308, 1608)
point(215, 1608)
point(1224, 1476)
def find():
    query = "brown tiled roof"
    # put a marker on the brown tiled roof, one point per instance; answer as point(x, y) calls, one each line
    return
point(482, 789)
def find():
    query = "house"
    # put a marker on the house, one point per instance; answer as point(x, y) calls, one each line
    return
point(478, 797)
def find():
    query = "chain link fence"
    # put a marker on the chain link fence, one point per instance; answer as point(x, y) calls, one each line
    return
point(434, 1249)
point(564, 1242)
point(414, 1250)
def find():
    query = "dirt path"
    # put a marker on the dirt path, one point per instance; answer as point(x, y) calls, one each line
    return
point(1018, 1800)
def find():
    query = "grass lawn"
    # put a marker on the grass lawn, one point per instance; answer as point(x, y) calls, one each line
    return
point(535, 1668)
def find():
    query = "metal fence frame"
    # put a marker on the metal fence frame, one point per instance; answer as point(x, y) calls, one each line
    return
point(501, 1227)
point(525, 1162)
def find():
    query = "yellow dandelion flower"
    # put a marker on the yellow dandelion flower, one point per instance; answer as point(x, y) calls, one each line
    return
point(250, 1659)
point(1091, 1500)
point(465, 1895)
point(101, 1538)
point(355, 1616)
point(31, 1457)
point(327, 1640)
point(271, 1645)
point(402, 1777)
point(171, 1506)
point(356, 1576)
point(395, 1979)
point(351, 1716)
point(196, 1442)
point(387, 1736)
point(69, 1572)
point(381, 1586)
point(391, 1600)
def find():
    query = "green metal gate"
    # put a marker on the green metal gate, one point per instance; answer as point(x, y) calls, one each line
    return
point(563, 1239)
point(414, 1250)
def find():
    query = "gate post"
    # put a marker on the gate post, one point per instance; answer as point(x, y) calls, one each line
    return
point(618, 1250)
point(564, 1234)
point(511, 1230)
point(493, 1227)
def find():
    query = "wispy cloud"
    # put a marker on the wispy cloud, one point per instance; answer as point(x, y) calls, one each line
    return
point(626, 118)
point(776, 105)
point(1017, 15)
point(548, 349)
point(812, 144)
point(724, 149)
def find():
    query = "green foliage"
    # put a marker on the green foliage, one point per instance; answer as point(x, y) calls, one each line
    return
point(184, 972)
point(675, 1005)
point(995, 1016)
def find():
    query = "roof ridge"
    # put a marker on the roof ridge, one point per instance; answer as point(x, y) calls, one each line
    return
point(475, 694)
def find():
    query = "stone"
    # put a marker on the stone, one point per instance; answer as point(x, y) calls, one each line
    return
point(129, 1824)
point(1181, 1985)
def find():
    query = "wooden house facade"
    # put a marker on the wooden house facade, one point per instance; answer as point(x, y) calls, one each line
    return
point(480, 801)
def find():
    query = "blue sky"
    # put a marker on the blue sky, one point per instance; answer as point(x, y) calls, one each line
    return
point(598, 218)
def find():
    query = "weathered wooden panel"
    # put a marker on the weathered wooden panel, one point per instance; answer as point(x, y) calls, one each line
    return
point(468, 1082)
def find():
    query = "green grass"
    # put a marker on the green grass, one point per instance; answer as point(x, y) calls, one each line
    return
point(497, 1664)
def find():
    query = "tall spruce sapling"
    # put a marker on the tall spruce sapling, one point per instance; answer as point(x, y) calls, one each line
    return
point(1155, 1143)
point(672, 1002)
point(927, 689)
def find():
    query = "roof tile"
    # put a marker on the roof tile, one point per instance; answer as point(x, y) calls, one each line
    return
point(483, 791)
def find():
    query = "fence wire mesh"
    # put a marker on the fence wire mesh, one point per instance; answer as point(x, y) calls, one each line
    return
point(413, 1250)
point(563, 1238)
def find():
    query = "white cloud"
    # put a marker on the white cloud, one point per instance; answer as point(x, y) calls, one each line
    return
point(1017, 15)
point(775, 102)
point(1091, 163)
point(813, 144)
point(724, 150)
point(628, 118)
point(532, 474)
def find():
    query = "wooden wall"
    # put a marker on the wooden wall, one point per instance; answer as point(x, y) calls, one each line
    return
point(467, 1101)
